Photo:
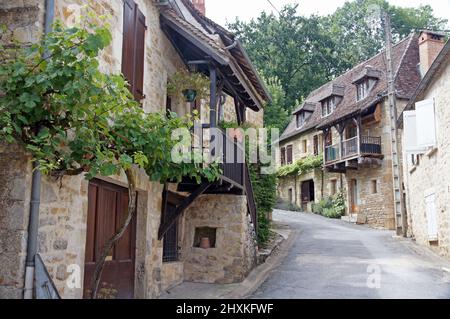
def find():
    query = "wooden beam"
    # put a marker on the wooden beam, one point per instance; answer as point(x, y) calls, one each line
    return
point(172, 218)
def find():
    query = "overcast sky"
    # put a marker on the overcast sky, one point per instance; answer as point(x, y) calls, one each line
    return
point(223, 11)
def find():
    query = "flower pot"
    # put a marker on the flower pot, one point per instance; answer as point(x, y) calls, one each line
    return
point(205, 243)
point(190, 95)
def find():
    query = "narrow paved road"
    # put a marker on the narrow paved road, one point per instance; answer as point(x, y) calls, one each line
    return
point(334, 259)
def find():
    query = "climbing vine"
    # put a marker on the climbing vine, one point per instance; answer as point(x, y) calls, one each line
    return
point(301, 166)
point(73, 119)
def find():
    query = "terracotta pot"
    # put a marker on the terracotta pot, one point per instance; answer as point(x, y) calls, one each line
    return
point(205, 243)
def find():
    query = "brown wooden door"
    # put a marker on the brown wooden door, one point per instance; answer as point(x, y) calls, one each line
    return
point(107, 210)
point(354, 196)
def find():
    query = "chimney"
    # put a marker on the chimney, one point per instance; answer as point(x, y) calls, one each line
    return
point(199, 5)
point(430, 45)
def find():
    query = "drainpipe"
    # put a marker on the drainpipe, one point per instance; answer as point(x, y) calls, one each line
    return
point(33, 223)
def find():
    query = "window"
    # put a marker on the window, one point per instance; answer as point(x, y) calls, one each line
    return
point(420, 128)
point(304, 146)
point(170, 244)
point(374, 186)
point(333, 187)
point(316, 145)
point(300, 119)
point(289, 154)
point(362, 89)
point(133, 47)
point(328, 106)
point(283, 156)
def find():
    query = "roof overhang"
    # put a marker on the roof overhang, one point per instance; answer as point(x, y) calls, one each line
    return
point(193, 45)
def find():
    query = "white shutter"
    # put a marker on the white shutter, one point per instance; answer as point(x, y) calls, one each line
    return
point(430, 205)
point(426, 123)
point(410, 133)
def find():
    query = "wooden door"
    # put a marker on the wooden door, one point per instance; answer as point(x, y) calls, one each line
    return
point(107, 210)
point(306, 194)
point(354, 201)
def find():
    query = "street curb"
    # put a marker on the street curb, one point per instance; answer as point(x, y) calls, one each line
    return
point(259, 275)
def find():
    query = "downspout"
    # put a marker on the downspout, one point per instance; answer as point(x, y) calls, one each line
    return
point(33, 223)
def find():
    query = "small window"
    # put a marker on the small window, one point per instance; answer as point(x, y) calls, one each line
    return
point(205, 237)
point(374, 186)
point(363, 89)
point(305, 146)
point(283, 156)
point(289, 158)
point(316, 145)
point(170, 244)
point(328, 106)
point(333, 187)
point(301, 119)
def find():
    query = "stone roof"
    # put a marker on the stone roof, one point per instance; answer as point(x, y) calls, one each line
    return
point(407, 77)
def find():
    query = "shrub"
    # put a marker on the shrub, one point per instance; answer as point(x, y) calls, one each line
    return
point(330, 207)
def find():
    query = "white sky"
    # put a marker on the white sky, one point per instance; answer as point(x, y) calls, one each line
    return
point(222, 11)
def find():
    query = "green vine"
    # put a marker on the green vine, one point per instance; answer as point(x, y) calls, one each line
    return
point(301, 166)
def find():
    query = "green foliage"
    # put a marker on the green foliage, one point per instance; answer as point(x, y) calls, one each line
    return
point(306, 52)
point(75, 119)
point(301, 166)
point(330, 207)
point(265, 192)
point(275, 115)
point(182, 81)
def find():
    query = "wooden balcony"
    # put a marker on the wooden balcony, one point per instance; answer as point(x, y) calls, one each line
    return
point(353, 148)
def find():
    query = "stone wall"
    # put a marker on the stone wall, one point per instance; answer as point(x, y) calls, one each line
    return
point(14, 215)
point(234, 254)
point(432, 174)
point(63, 213)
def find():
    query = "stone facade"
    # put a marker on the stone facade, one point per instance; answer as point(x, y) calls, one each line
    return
point(234, 254)
point(63, 209)
point(431, 174)
point(375, 205)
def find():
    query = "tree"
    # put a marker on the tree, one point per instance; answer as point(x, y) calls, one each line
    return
point(306, 52)
point(289, 47)
point(74, 119)
point(357, 32)
point(275, 114)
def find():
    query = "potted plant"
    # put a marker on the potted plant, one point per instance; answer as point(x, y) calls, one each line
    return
point(188, 86)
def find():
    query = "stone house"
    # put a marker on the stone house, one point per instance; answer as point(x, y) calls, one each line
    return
point(426, 146)
point(151, 41)
point(348, 121)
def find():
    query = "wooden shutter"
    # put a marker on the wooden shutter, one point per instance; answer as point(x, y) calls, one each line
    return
point(133, 48)
point(426, 123)
point(410, 133)
point(430, 203)
point(283, 156)
point(139, 56)
point(289, 154)
point(129, 13)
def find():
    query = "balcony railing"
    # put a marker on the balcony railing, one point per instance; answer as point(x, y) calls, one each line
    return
point(353, 147)
point(233, 160)
point(331, 153)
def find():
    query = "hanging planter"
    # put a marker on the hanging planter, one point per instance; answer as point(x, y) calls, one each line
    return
point(190, 95)
point(188, 86)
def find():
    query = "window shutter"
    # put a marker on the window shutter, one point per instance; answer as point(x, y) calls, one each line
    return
point(129, 14)
point(426, 123)
point(289, 154)
point(431, 217)
point(410, 133)
point(138, 82)
point(283, 156)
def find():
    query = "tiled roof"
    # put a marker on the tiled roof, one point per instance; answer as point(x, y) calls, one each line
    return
point(405, 60)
